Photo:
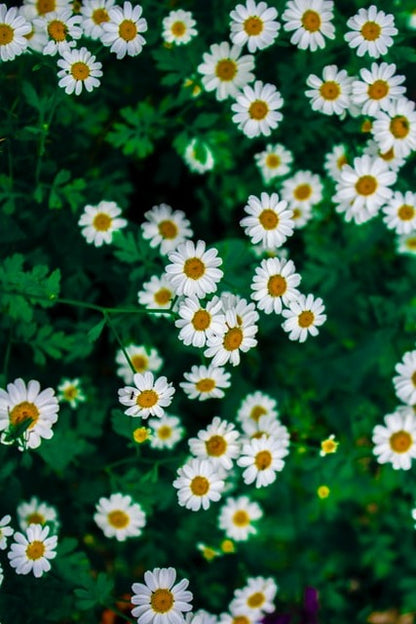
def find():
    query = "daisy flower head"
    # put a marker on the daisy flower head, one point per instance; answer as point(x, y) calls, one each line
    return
point(335, 161)
point(400, 212)
point(235, 337)
point(94, 15)
point(28, 409)
point(206, 382)
point(303, 317)
point(37, 37)
point(157, 294)
point(268, 426)
point(328, 446)
point(198, 156)
point(257, 109)
point(5, 531)
point(395, 442)
point(120, 517)
point(70, 391)
point(377, 87)
point(218, 442)
point(35, 511)
point(405, 381)
point(165, 228)
point(197, 321)
point(256, 598)
point(199, 482)
point(237, 516)
point(393, 162)
point(363, 188)
point(254, 24)
point(143, 359)
point(303, 189)
point(395, 128)
point(301, 215)
point(98, 223)
point(261, 458)
point(194, 269)
point(371, 32)
point(63, 29)
point(148, 396)
point(159, 600)
point(42, 7)
point(274, 284)
point(122, 31)
point(31, 551)
point(166, 432)
point(406, 244)
point(269, 221)
point(255, 405)
point(224, 71)
point(13, 30)
point(178, 27)
point(273, 162)
point(79, 70)
point(311, 21)
point(330, 94)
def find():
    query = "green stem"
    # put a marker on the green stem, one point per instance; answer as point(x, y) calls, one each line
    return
point(45, 125)
point(117, 337)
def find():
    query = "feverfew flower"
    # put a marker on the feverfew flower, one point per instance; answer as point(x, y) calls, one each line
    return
point(274, 284)
point(120, 517)
point(224, 71)
point(178, 27)
point(256, 598)
point(405, 381)
point(156, 294)
point(255, 405)
point(328, 446)
point(35, 511)
point(304, 189)
point(166, 431)
point(143, 359)
point(236, 335)
point(273, 162)
point(256, 109)
point(94, 15)
point(395, 443)
point(236, 518)
point(165, 228)
point(377, 88)
point(199, 157)
point(63, 30)
point(400, 212)
point(122, 31)
point(395, 128)
point(371, 32)
point(42, 7)
point(79, 70)
point(331, 93)
point(335, 161)
point(406, 244)
point(28, 405)
point(254, 24)
point(198, 483)
point(32, 551)
point(13, 28)
point(269, 220)
point(311, 21)
point(303, 317)
point(37, 37)
point(197, 321)
point(159, 600)
point(392, 161)
point(147, 397)
point(218, 442)
point(194, 269)
point(98, 223)
point(261, 458)
point(5, 531)
point(205, 382)
point(267, 426)
point(70, 391)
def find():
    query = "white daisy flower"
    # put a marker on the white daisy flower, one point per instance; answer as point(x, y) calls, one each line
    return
point(254, 24)
point(396, 442)
point(396, 127)
point(303, 317)
point(269, 220)
point(301, 215)
point(157, 294)
point(274, 284)
point(273, 162)
point(303, 189)
point(234, 337)
point(79, 70)
point(194, 269)
point(205, 382)
point(178, 27)
point(198, 483)
point(122, 31)
point(98, 223)
point(363, 188)
point(393, 161)
point(335, 161)
point(165, 228)
point(198, 157)
point(405, 381)
point(94, 15)
point(28, 408)
point(42, 7)
point(197, 321)
point(311, 20)
point(37, 38)
point(147, 397)
point(159, 600)
point(236, 518)
point(255, 405)
point(261, 459)
point(406, 244)
point(35, 511)
point(5, 531)
point(13, 30)
point(32, 551)
point(143, 359)
point(371, 32)
point(63, 29)
point(236, 618)
point(400, 212)
point(256, 109)
point(167, 432)
point(377, 88)
point(268, 426)
point(218, 442)
point(120, 517)
point(331, 93)
point(256, 598)
point(224, 71)
point(70, 391)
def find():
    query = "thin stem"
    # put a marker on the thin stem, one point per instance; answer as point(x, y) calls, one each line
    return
point(117, 337)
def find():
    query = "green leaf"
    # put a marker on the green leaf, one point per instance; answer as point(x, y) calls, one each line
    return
point(95, 592)
point(95, 332)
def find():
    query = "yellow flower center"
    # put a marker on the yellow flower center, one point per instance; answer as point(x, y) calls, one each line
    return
point(276, 286)
point(253, 26)
point(162, 296)
point(311, 20)
point(378, 90)
point(227, 546)
point(35, 550)
point(162, 600)
point(35, 518)
point(22, 412)
point(269, 219)
point(233, 339)
point(70, 393)
point(194, 268)
point(272, 161)
point(45, 6)
point(118, 519)
point(399, 127)
point(389, 155)
point(414, 379)
point(140, 435)
point(323, 491)
point(139, 362)
point(306, 318)
point(401, 441)
point(80, 70)
point(201, 320)
point(6, 34)
point(226, 70)
point(164, 432)
point(370, 31)
point(258, 110)
point(366, 125)
point(99, 16)
point(297, 213)
point(257, 411)
point(199, 486)
point(256, 600)
point(216, 446)
point(302, 192)
point(241, 518)
point(147, 399)
point(57, 30)
point(406, 212)
point(366, 185)
point(329, 446)
point(168, 229)
point(102, 222)
point(342, 160)
point(411, 244)
point(127, 30)
point(240, 619)
point(205, 385)
point(263, 460)
point(330, 90)
point(178, 29)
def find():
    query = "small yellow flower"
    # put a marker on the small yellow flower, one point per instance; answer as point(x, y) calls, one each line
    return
point(323, 491)
point(207, 552)
point(227, 546)
point(366, 125)
point(141, 434)
point(328, 446)
point(191, 84)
